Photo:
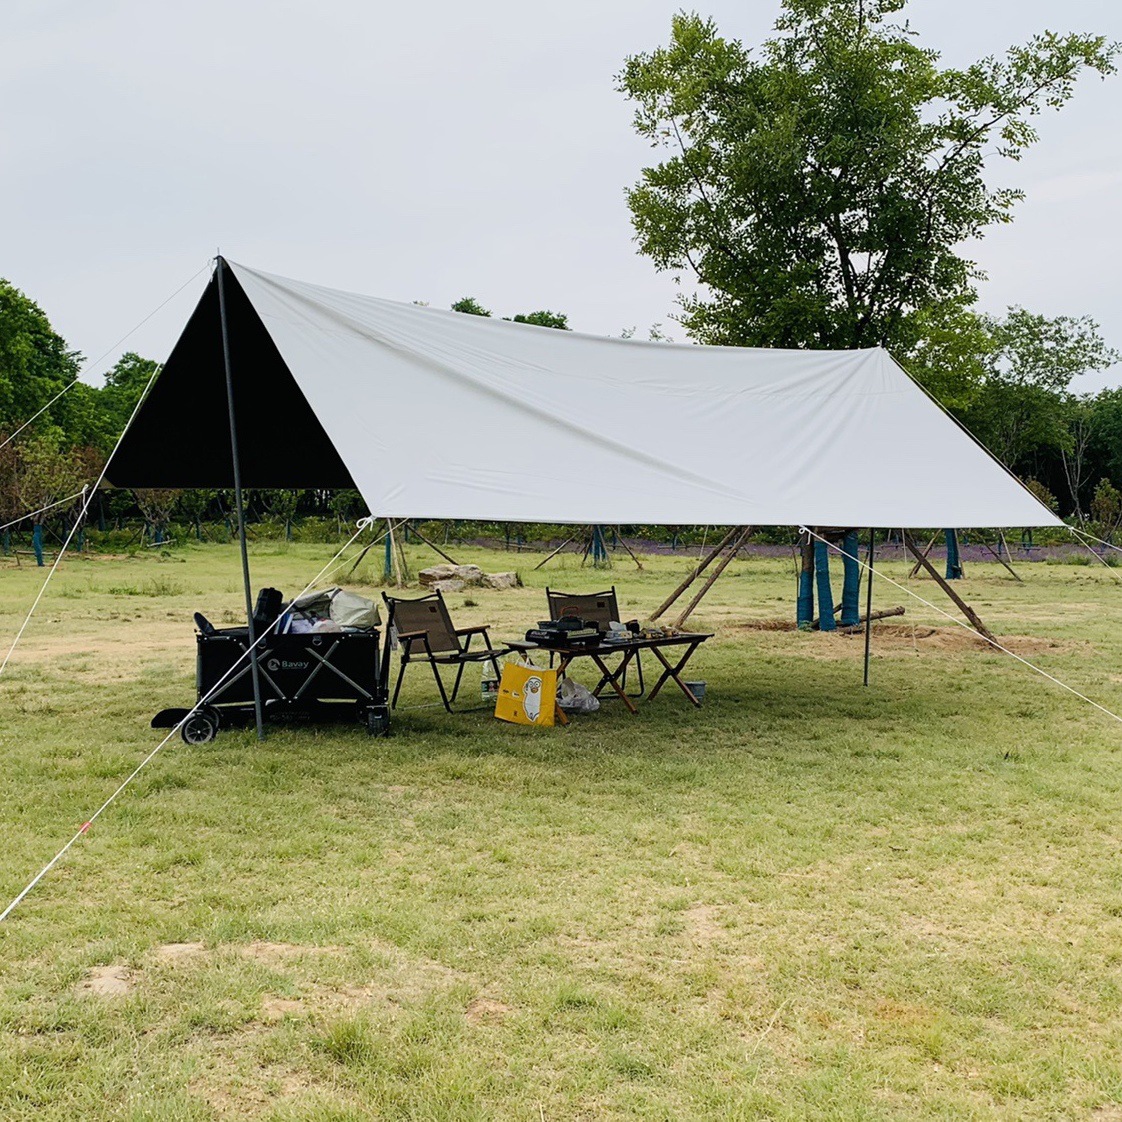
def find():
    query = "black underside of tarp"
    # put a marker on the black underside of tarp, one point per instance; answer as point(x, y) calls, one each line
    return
point(181, 435)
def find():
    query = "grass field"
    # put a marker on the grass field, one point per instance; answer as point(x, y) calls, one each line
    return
point(806, 900)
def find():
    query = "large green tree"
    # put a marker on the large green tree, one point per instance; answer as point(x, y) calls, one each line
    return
point(123, 386)
point(820, 189)
point(1023, 403)
point(35, 362)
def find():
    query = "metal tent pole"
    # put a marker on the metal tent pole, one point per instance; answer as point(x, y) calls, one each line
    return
point(869, 603)
point(239, 503)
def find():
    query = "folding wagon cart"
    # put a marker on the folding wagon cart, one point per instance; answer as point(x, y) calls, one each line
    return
point(310, 676)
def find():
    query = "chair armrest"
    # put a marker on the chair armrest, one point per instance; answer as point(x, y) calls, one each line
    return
point(471, 630)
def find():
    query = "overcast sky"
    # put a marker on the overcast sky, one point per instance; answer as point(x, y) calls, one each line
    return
point(432, 150)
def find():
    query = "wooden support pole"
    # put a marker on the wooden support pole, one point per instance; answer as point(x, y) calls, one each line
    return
point(588, 545)
point(712, 579)
point(391, 549)
point(997, 555)
point(619, 538)
point(701, 567)
point(403, 574)
point(918, 565)
point(555, 552)
point(863, 623)
point(869, 602)
point(971, 615)
point(412, 526)
point(804, 601)
point(365, 550)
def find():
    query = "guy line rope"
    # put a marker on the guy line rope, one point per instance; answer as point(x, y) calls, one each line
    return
point(88, 492)
point(966, 627)
point(43, 509)
point(363, 524)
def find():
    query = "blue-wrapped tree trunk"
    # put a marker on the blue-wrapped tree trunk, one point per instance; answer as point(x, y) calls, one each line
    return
point(826, 621)
point(954, 561)
point(851, 586)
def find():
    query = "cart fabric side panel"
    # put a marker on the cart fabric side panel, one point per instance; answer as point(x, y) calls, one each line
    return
point(181, 437)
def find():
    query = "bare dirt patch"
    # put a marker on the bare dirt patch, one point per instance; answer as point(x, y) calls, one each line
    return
point(902, 636)
point(107, 981)
point(279, 952)
point(177, 952)
point(702, 924)
point(485, 1010)
point(277, 1008)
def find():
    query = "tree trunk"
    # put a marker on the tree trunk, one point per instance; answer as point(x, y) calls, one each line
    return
point(804, 605)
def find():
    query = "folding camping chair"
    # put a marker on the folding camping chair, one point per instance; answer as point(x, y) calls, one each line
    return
point(600, 608)
point(425, 632)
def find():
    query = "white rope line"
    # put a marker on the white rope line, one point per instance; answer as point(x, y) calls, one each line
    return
point(89, 493)
point(92, 365)
point(1091, 537)
point(363, 524)
point(1098, 557)
point(43, 509)
point(34, 416)
point(992, 642)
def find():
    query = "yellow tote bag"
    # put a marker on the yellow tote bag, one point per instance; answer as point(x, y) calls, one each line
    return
point(527, 695)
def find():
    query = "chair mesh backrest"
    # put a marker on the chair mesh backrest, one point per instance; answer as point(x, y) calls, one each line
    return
point(594, 607)
point(427, 614)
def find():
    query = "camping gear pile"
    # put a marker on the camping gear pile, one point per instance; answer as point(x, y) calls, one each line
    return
point(318, 658)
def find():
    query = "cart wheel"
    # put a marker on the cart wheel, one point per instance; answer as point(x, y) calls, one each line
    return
point(200, 727)
point(378, 721)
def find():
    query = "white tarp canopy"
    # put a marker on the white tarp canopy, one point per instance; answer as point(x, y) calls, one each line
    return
point(437, 414)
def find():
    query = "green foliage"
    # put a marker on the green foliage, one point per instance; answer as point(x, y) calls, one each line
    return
point(46, 472)
point(35, 362)
point(123, 386)
point(1022, 404)
point(1042, 494)
point(1106, 508)
point(820, 188)
point(470, 307)
point(544, 319)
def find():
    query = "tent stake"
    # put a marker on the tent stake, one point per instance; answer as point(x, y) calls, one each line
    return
point(869, 603)
point(239, 501)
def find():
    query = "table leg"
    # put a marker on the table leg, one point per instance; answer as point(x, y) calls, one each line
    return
point(628, 656)
point(611, 680)
point(675, 672)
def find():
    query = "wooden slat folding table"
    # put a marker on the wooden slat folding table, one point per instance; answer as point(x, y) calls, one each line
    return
point(683, 645)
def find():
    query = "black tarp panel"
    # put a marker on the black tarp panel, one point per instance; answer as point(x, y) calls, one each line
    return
point(181, 435)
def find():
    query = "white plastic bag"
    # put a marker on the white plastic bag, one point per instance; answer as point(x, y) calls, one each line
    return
point(575, 698)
